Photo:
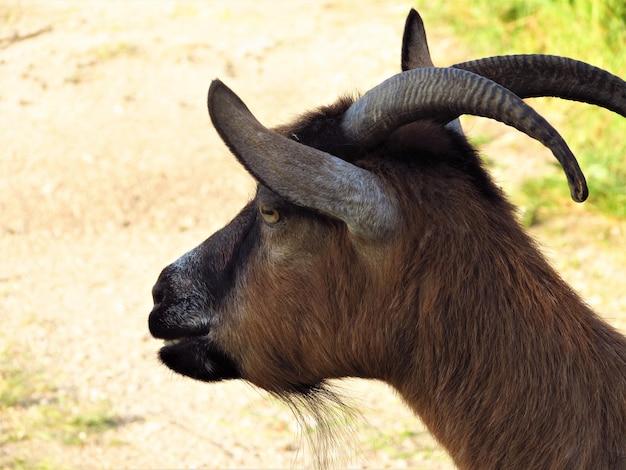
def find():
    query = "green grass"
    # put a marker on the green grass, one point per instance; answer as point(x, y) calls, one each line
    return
point(406, 444)
point(588, 30)
point(34, 409)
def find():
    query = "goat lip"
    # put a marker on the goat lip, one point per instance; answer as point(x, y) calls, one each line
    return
point(172, 322)
point(177, 341)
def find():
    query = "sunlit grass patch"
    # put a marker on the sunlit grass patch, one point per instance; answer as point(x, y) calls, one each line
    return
point(34, 409)
point(407, 444)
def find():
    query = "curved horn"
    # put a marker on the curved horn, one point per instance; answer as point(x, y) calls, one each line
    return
point(537, 75)
point(303, 175)
point(443, 94)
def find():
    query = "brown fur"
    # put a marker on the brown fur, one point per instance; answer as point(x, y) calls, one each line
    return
point(460, 312)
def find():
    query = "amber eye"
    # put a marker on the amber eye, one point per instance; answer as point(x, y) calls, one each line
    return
point(269, 214)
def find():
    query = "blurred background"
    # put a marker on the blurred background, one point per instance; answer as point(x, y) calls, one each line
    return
point(110, 170)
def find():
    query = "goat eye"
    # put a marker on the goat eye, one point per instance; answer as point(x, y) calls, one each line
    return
point(270, 215)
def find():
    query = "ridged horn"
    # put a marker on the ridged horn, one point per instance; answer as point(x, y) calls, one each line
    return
point(535, 75)
point(303, 175)
point(442, 94)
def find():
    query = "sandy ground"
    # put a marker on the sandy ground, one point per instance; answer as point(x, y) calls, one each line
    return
point(110, 170)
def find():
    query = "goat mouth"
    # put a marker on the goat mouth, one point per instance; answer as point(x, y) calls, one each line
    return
point(199, 358)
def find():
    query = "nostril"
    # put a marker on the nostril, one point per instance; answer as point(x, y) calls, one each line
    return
point(158, 293)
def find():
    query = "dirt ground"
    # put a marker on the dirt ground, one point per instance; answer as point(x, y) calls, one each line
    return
point(110, 170)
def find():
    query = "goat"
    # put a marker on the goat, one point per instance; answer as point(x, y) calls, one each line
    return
point(377, 246)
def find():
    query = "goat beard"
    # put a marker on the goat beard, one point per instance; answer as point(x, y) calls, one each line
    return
point(326, 421)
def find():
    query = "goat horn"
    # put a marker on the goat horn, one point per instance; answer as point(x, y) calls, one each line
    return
point(535, 75)
point(303, 175)
point(444, 94)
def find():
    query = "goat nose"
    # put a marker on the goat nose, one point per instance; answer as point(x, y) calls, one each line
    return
point(157, 320)
point(160, 288)
point(158, 293)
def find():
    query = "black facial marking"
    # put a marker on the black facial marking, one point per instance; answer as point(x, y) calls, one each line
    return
point(190, 294)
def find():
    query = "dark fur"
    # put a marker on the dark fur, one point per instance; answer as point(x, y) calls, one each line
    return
point(459, 311)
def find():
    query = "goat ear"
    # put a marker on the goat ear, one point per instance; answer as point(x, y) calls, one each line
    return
point(415, 53)
point(303, 175)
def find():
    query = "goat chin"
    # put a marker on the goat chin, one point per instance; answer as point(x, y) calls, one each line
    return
point(199, 359)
